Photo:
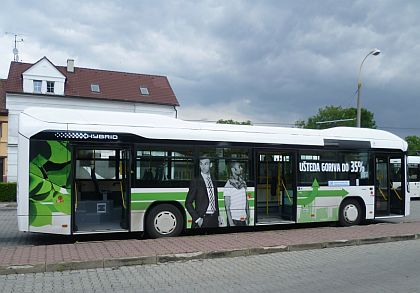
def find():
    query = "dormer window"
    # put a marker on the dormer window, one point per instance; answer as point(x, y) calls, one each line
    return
point(37, 86)
point(144, 91)
point(50, 87)
point(95, 88)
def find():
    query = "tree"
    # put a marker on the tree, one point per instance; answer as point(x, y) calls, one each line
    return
point(413, 144)
point(334, 114)
point(230, 121)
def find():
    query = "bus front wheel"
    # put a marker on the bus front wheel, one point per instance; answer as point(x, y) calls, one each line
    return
point(350, 213)
point(164, 220)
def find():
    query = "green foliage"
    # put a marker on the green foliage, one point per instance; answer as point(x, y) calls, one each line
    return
point(230, 121)
point(333, 113)
point(413, 144)
point(7, 192)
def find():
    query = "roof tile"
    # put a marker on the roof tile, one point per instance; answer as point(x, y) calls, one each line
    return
point(3, 96)
point(114, 85)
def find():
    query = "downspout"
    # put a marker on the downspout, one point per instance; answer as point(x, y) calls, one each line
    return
point(176, 112)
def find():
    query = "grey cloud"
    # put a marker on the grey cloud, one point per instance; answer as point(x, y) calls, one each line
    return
point(287, 58)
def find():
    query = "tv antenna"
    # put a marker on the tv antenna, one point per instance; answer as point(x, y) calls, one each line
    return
point(15, 49)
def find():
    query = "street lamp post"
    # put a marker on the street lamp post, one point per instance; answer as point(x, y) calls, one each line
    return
point(374, 52)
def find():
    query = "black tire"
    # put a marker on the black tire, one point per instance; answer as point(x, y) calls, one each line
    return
point(350, 213)
point(164, 220)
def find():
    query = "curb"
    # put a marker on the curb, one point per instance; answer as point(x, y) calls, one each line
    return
point(341, 243)
point(74, 265)
point(22, 269)
point(8, 206)
point(160, 259)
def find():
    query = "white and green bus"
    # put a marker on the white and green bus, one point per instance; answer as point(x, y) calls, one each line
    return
point(85, 171)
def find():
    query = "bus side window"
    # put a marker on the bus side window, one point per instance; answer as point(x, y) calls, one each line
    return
point(163, 167)
point(414, 172)
point(221, 159)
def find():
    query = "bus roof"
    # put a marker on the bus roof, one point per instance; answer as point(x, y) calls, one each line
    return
point(36, 119)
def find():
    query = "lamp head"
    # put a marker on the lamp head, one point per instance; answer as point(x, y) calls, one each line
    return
point(376, 52)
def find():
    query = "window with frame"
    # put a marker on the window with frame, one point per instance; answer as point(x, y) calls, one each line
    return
point(414, 171)
point(102, 164)
point(222, 160)
point(164, 167)
point(271, 165)
point(1, 169)
point(144, 91)
point(331, 167)
point(395, 170)
point(37, 86)
point(95, 88)
point(50, 87)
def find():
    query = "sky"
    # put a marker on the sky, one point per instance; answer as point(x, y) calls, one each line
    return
point(270, 62)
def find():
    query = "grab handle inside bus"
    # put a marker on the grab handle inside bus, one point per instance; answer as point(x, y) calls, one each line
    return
point(122, 196)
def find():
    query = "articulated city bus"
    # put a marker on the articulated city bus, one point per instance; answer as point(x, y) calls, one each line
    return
point(96, 172)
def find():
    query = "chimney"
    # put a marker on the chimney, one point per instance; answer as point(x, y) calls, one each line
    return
point(70, 65)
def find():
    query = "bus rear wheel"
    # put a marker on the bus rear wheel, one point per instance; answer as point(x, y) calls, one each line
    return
point(350, 213)
point(164, 220)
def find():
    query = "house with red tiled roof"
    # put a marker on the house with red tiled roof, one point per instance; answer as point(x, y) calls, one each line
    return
point(45, 84)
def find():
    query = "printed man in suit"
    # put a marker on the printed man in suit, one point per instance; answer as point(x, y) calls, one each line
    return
point(202, 202)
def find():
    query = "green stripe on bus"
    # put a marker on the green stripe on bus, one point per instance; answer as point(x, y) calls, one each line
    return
point(141, 201)
point(140, 206)
point(159, 196)
point(136, 206)
point(169, 195)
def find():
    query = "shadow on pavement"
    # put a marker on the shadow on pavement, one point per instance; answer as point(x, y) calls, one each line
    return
point(12, 237)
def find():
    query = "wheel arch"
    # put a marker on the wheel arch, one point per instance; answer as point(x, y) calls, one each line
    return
point(171, 202)
point(359, 200)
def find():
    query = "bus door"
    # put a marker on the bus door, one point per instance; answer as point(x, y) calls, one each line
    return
point(101, 189)
point(275, 188)
point(389, 190)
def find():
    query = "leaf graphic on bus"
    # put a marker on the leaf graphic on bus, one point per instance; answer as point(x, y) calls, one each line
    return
point(62, 202)
point(39, 160)
point(45, 186)
point(39, 214)
point(61, 199)
point(45, 197)
point(35, 170)
point(60, 177)
point(59, 152)
point(38, 185)
point(49, 181)
point(35, 183)
point(41, 196)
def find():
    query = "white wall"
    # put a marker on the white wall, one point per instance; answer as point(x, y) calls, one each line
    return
point(28, 85)
point(16, 103)
point(45, 71)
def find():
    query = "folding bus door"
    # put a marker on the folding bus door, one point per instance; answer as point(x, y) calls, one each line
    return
point(275, 189)
point(397, 192)
point(389, 190)
point(101, 187)
point(381, 186)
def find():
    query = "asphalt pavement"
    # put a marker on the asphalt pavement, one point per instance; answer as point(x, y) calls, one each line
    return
point(26, 252)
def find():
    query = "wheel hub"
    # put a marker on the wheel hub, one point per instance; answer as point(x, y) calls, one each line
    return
point(351, 213)
point(165, 222)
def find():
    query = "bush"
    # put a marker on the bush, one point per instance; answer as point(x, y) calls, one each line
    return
point(7, 191)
